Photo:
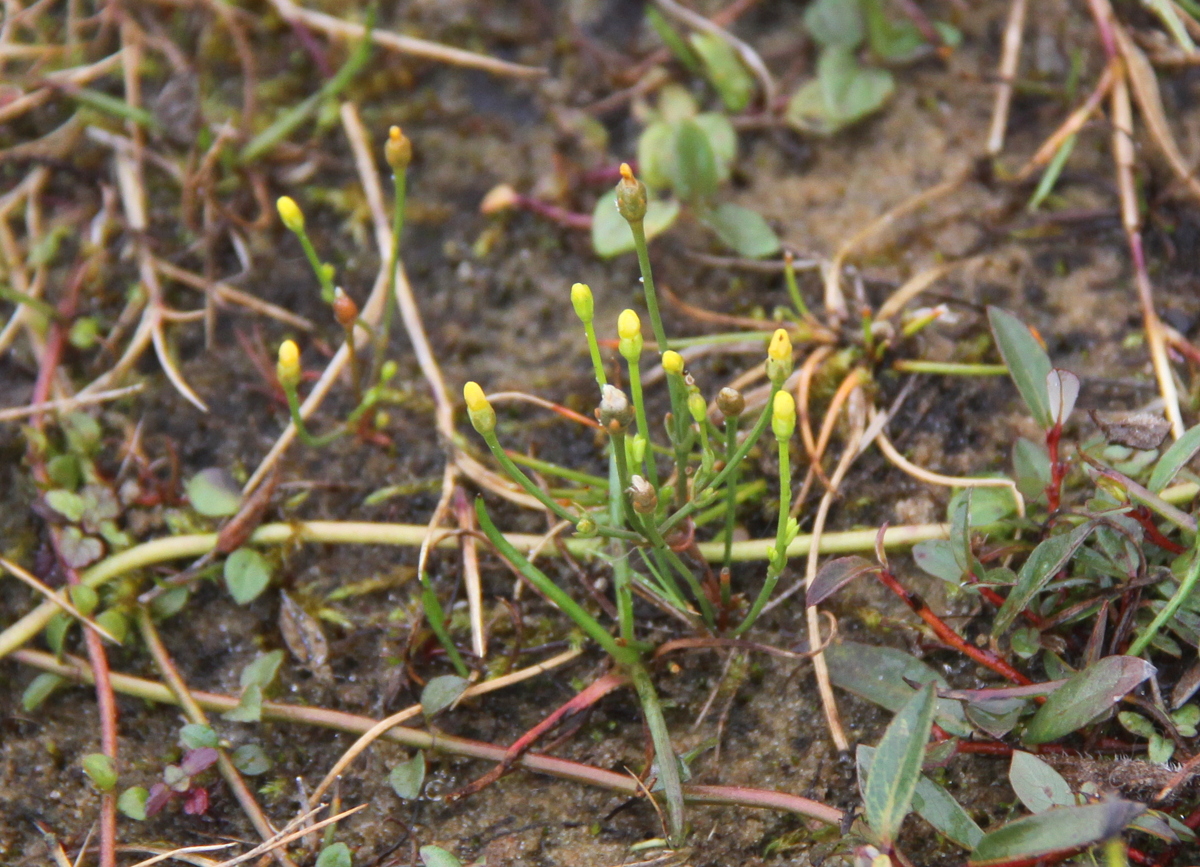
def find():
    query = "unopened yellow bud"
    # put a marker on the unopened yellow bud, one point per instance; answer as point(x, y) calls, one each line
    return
point(697, 407)
point(398, 150)
point(783, 415)
point(483, 417)
point(581, 300)
point(779, 358)
point(629, 325)
point(287, 369)
point(780, 347)
point(629, 328)
point(290, 213)
point(672, 362)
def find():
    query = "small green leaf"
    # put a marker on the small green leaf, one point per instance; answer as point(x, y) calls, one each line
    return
point(1085, 696)
point(933, 804)
point(251, 760)
point(722, 138)
point(1061, 830)
point(100, 769)
point(67, 503)
point(850, 91)
point(724, 70)
point(262, 670)
point(936, 557)
point(433, 856)
point(1160, 749)
point(611, 235)
point(247, 575)
point(56, 631)
point(440, 693)
point(40, 689)
point(132, 803)
point(335, 855)
point(114, 623)
point(1135, 723)
point(194, 736)
point(675, 43)
point(743, 230)
point(896, 41)
point(407, 778)
point(1038, 785)
point(249, 707)
point(695, 165)
point(84, 598)
point(1031, 465)
point(213, 493)
point(1039, 568)
point(1028, 364)
point(1174, 459)
point(896, 765)
point(880, 675)
point(170, 602)
point(835, 22)
point(79, 550)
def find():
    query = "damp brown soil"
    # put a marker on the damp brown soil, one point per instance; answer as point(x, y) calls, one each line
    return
point(493, 294)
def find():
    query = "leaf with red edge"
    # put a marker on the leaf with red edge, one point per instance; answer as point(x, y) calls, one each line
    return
point(1085, 696)
point(195, 761)
point(195, 802)
point(160, 795)
point(835, 575)
point(1057, 832)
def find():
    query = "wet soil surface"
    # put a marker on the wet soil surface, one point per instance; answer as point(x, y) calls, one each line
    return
point(493, 293)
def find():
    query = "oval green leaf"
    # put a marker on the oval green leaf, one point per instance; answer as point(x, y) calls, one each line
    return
point(1058, 831)
point(1028, 364)
point(611, 235)
point(743, 230)
point(440, 693)
point(213, 493)
point(1085, 696)
point(247, 575)
point(1038, 785)
point(407, 778)
point(435, 856)
point(896, 766)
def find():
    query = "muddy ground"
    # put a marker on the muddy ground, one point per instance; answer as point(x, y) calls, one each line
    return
point(493, 293)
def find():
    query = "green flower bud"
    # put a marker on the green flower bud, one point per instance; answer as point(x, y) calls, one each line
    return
point(585, 528)
point(631, 196)
point(783, 415)
point(483, 417)
point(698, 407)
point(581, 300)
point(398, 150)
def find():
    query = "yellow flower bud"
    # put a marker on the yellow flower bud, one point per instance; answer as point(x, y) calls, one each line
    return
point(783, 415)
point(290, 213)
point(672, 362)
point(781, 345)
point(779, 358)
point(483, 417)
point(398, 150)
point(581, 300)
point(287, 369)
point(629, 325)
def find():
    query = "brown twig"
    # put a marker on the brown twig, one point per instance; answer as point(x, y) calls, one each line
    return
point(1009, 57)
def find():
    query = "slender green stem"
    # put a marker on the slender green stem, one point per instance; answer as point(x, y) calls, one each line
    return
point(399, 198)
point(949, 368)
point(318, 267)
point(639, 408)
point(789, 277)
point(779, 561)
point(730, 467)
point(594, 350)
point(688, 575)
point(667, 587)
point(622, 572)
point(731, 427)
point(623, 654)
point(1181, 594)
point(436, 618)
point(679, 435)
point(302, 431)
point(549, 469)
point(668, 765)
point(643, 253)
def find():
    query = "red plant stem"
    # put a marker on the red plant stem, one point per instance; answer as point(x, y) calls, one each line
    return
point(1142, 515)
point(948, 636)
point(569, 219)
point(105, 700)
point(1058, 469)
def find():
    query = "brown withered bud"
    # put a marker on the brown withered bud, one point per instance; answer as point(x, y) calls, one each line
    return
point(398, 150)
point(730, 402)
point(643, 496)
point(345, 311)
